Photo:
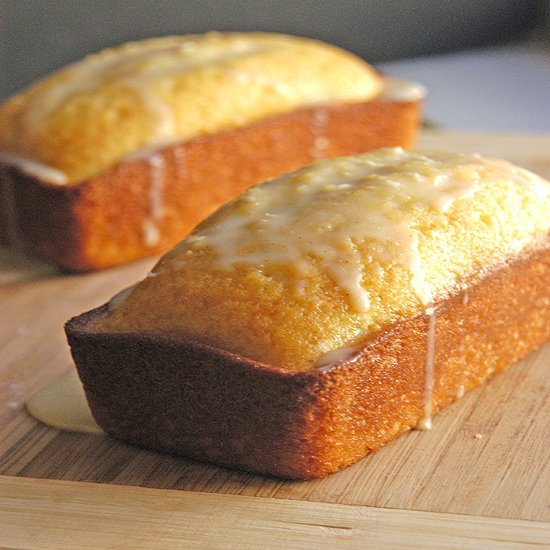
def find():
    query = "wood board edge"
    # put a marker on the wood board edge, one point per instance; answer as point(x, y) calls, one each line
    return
point(36, 513)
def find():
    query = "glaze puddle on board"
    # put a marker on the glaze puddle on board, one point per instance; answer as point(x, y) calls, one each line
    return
point(62, 405)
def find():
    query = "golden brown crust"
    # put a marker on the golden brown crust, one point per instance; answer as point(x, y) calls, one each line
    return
point(100, 223)
point(207, 404)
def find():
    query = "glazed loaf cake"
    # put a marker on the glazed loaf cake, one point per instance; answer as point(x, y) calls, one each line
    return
point(119, 156)
point(321, 314)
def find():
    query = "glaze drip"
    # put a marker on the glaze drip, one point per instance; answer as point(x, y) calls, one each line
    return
point(151, 231)
point(318, 131)
point(425, 422)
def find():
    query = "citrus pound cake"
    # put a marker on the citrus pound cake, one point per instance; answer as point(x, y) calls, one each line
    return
point(321, 314)
point(120, 155)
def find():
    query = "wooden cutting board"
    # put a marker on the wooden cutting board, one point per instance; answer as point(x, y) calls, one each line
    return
point(480, 478)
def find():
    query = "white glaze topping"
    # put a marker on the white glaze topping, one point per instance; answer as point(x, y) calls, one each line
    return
point(325, 211)
point(87, 117)
point(119, 297)
point(63, 405)
point(137, 70)
point(396, 89)
point(338, 355)
point(306, 266)
point(35, 169)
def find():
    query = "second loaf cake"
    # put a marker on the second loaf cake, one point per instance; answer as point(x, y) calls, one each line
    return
point(321, 314)
point(120, 155)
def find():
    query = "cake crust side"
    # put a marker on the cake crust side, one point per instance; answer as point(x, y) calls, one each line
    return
point(144, 206)
point(232, 411)
point(210, 405)
point(42, 220)
point(478, 332)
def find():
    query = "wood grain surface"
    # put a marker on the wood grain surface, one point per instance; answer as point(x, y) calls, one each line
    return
point(59, 514)
point(487, 455)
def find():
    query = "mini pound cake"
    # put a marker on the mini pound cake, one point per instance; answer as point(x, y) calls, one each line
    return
point(321, 314)
point(120, 155)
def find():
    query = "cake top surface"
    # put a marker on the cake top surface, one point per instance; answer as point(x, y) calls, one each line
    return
point(309, 264)
point(85, 118)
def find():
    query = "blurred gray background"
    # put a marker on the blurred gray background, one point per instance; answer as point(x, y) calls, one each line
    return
point(39, 36)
